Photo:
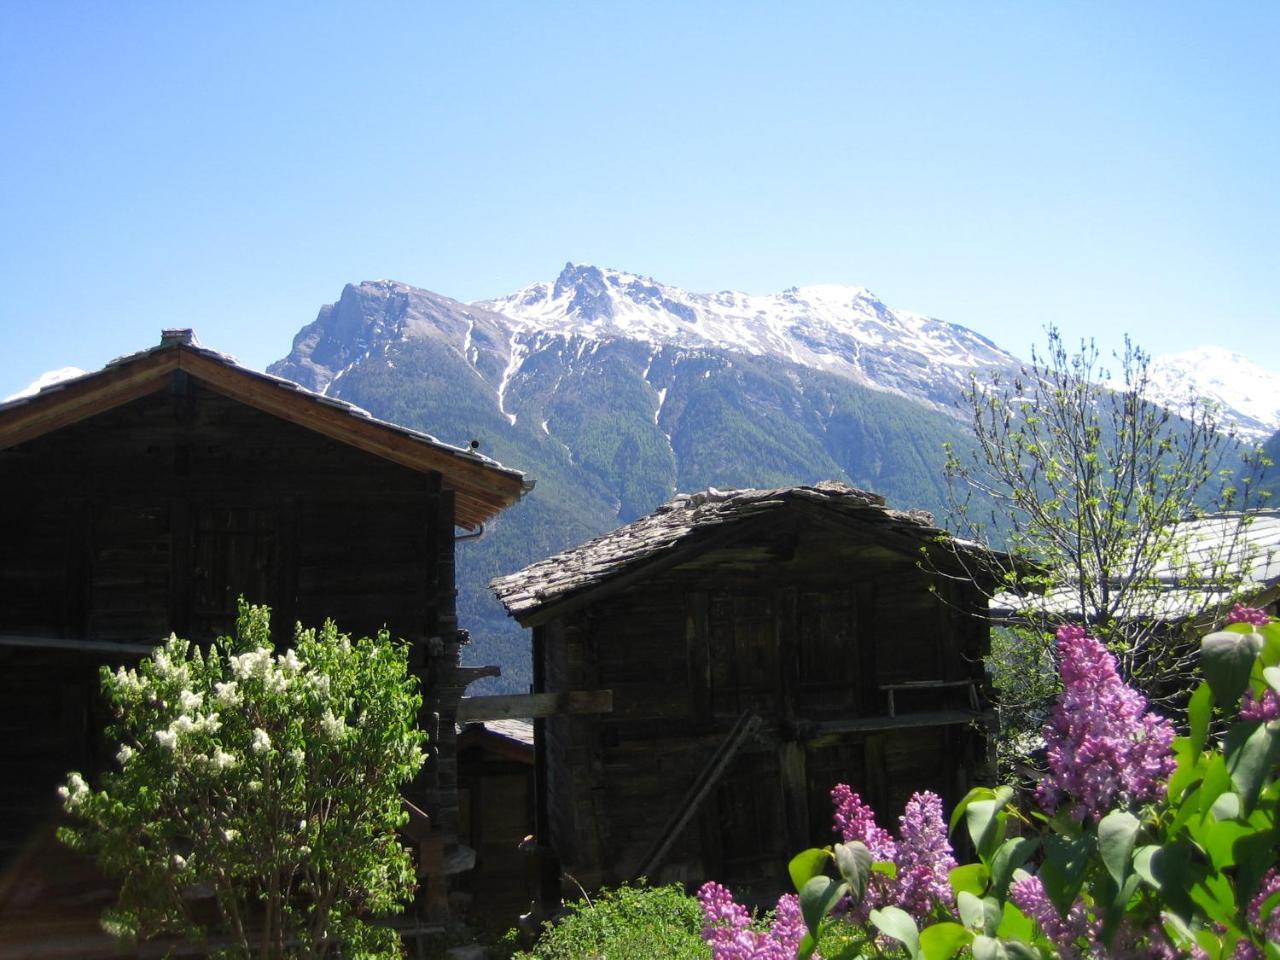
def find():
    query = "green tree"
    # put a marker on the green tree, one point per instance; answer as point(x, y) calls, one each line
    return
point(1093, 490)
point(256, 799)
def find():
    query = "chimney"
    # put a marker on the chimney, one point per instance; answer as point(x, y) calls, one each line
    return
point(178, 338)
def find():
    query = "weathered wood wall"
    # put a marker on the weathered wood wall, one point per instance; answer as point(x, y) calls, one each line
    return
point(155, 517)
point(798, 619)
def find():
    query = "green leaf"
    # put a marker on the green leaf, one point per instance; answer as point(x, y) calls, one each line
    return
point(942, 941)
point(1190, 768)
point(817, 897)
point(989, 948)
point(806, 865)
point(1272, 676)
point(986, 826)
point(1199, 713)
point(972, 914)
point(1250, 758)
point(1166, 869)
point(897, 923)
point(1014, 923)
point(1062, 872)
point(1226, 657)
point(854, 863)
point(1215, 896)
point(1217, 781)
point(1017, 950)
point(1226, 807)
point(977, 793)
point(969, 878)
point(1012, 854)
point(806, 948)
point(1117, 832)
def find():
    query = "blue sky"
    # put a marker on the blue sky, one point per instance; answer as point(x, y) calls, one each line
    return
point(1104, 167)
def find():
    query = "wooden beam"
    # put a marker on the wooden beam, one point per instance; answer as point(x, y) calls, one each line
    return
point(743, 729)
point(530, 705)
point(104, 647)
point(112, 387)
point(932, 718)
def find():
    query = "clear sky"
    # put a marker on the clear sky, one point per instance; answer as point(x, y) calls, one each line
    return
point(1104, 167)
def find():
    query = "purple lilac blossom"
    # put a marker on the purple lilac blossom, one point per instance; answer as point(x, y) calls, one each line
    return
point(1270, 885)
point(925, 858)
point(1104, 748)
point(1029, 896)
point(788, 927)
point(855, 820)
point(727, 927)
point(1252, 615)
point(1268, 708)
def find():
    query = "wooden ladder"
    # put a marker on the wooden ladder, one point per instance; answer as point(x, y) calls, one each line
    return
point(743, 728)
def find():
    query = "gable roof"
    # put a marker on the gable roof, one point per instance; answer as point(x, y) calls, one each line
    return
point(687, 521)
point(482, 487)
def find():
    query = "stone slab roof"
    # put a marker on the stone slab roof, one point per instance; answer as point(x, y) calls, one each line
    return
point(681, 521)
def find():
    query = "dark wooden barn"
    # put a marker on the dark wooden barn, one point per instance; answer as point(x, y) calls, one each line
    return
point(760, 646)
point(147, 497)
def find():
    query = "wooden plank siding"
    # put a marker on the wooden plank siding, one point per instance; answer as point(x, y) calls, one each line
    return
point(154, 516)
point(802, 622)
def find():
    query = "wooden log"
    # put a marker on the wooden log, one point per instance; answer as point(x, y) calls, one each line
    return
point(522, 706)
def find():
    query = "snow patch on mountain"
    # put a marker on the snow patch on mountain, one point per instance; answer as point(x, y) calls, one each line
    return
point(1246, 396)
point(844, 330)
point(46, 379)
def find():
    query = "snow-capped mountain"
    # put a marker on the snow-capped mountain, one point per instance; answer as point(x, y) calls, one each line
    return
point(1246, 396)
point(844, 330)
point(46, 379)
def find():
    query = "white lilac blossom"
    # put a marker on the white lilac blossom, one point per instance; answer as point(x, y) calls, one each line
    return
point(227, 693)
point(128, 681)
point(253, 663)
point(334, 727)
point(261, 742)
point(190, 701)
point(167, 739)
point(74, 792)
point(221, 760)
point(1104, 748)
point(124, 754)
point(289, 661)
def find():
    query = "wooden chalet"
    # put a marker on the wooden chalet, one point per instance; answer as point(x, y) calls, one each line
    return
point(148, 496)
point(760, 646)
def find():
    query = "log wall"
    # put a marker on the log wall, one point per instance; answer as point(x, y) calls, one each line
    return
point(799, 620)
point(155, 517)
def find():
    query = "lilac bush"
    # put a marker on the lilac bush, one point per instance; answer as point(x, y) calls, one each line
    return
point(1104, 748)
point(1150, 846)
